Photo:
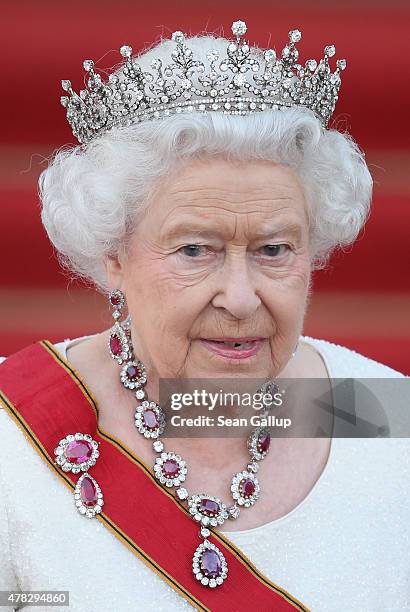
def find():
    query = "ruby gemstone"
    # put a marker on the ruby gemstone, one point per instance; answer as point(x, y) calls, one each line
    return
point(208, 507)
point(210, 564)
point(115, 300)
point(247, 487)
point(115, 345)
point(170, 468)
point(133, 372)
point(88, 492)
point(263, 442)
point(78, 451)
point(150, 419)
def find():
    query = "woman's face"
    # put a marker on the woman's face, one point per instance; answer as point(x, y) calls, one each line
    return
point(222, 252)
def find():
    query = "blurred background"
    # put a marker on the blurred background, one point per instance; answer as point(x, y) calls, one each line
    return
point(362, 300)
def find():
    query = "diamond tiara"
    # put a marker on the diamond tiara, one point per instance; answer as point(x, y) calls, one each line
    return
point(240, 81)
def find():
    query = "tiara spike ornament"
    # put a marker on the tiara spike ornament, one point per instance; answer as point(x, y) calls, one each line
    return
point(238, 80)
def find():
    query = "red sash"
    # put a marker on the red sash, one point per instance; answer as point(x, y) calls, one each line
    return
point(48, 400)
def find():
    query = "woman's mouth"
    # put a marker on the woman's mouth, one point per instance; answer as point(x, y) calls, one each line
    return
point(233, 348)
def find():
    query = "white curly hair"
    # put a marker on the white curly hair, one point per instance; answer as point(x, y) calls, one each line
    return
point(93, 197)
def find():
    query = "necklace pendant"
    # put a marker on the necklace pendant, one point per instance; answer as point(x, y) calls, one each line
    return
point(259, 443)
point(133, 374)
point(170, 469)
point(245, 488)
point(209, 565)
point(88, 497)
point(207, 510)
point(150, 419)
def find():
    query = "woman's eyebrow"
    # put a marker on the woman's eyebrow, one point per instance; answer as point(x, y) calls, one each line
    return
point(187, 229)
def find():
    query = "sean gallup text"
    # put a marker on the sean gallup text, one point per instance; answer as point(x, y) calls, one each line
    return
point(223, 421)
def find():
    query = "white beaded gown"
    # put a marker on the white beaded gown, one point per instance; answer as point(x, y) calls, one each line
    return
point(346, 546)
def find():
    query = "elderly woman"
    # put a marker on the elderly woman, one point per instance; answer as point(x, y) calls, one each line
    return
point(206, 189)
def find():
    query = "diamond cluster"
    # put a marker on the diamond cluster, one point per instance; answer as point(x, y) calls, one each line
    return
point(76, 453)
point(241, 81)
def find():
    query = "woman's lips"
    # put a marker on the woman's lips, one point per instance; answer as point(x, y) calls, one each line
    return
point(252, 346)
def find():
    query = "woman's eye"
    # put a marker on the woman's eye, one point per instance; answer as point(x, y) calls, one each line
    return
point(193, 250)
point(273, 250)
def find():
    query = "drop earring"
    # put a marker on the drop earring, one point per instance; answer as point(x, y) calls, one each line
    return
point(119, 341)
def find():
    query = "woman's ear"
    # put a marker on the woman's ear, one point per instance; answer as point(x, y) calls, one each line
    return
point(114, 271)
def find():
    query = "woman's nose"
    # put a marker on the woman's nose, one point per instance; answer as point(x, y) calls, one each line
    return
point(236, 291)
